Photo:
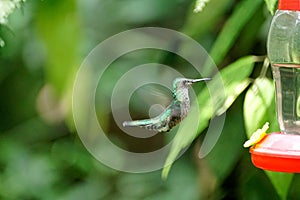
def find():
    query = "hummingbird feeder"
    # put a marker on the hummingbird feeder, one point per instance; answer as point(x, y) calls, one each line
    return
point(281, 151)
point(277, 152)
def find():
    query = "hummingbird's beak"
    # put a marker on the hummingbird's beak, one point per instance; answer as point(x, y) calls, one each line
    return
point(191, 81)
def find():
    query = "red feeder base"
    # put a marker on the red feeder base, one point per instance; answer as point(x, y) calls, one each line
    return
point(277, 152)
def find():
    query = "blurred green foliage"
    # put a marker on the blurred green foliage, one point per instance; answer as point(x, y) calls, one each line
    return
point(41, 156)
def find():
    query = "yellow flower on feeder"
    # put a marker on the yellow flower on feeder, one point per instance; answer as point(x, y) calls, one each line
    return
point(257, 135)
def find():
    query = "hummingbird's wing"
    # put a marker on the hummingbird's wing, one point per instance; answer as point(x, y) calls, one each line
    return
point(159, 123)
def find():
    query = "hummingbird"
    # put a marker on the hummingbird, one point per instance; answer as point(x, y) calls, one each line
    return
point(174, 113)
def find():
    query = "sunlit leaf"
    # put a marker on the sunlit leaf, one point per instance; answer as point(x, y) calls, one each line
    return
point(234, 85)
point(259, 106)
point(271, 5)
point(62, 55)
point(62, 44)
point(6, 8)
point(200, 4)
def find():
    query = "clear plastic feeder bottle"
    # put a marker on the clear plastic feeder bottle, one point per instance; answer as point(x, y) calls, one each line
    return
point(284, 54)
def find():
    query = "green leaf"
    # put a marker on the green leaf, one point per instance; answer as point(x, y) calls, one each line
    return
point(62, 44)
point(281, 182)
point(228, 148)
point(271, 4)
point(295, 185)
point(198, 24)
point(259, 106)
point(225, 88)
point(234, 25)
point(6, 8)
point(234, 78)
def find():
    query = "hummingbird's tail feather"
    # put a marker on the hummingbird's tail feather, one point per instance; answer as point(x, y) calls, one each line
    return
point(143, 122)
point(155, 124)
point(200, 79)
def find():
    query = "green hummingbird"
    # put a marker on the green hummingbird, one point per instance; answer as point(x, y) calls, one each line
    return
point(174, 113)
